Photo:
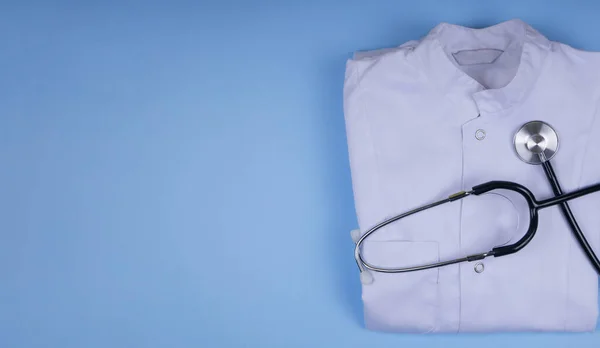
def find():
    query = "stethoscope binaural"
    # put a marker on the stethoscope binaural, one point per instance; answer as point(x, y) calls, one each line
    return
point(536, 142)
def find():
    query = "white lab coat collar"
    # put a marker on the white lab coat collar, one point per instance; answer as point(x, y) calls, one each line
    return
point(431, 54)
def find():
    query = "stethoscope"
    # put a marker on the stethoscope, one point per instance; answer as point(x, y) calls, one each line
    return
point(535, 143)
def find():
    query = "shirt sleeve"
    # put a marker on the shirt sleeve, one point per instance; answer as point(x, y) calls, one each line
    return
point(359, 139)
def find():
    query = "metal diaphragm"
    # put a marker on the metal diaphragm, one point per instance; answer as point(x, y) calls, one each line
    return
point(536, 142)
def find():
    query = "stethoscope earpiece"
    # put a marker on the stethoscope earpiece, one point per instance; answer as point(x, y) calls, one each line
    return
point(366, 277)
point(355, 235)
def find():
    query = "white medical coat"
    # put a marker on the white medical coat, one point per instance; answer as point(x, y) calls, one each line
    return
point(437, 115)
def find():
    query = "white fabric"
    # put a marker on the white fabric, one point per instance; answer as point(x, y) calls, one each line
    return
point(411, 114)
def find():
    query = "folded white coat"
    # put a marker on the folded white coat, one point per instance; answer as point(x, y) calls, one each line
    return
point(436, 116)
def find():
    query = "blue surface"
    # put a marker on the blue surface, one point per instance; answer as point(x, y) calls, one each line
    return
point(144, 146)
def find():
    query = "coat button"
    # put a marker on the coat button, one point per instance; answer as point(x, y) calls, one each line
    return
point(479, 267)
point(480, 134)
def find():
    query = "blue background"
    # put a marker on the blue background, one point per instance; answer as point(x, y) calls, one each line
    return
point(176, 174)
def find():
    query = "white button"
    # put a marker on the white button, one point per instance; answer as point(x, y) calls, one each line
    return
point(479, 267)
point(480, 134)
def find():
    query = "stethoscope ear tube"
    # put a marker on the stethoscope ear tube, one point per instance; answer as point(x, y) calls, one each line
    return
point(536, 142)
point(533, 213)
point(570, 218)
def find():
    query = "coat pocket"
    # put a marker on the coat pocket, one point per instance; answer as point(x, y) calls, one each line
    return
point(401, 302)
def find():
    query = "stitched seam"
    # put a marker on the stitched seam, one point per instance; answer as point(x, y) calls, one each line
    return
point(460, 214)
point(588, 146)
point(568, 280)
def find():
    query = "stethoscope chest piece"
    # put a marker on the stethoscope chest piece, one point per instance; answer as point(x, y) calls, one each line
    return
point(536, 142)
